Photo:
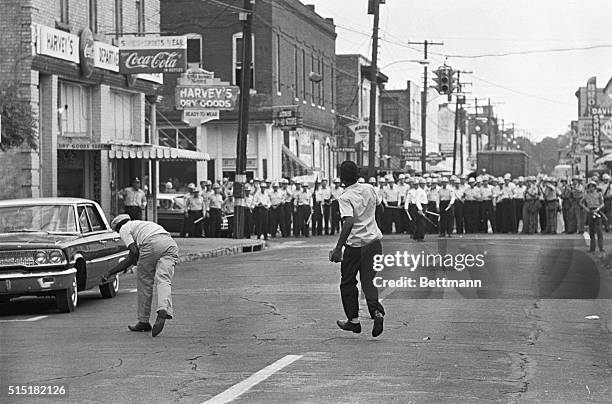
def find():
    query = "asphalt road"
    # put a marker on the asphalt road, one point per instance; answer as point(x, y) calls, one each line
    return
point(260, 328)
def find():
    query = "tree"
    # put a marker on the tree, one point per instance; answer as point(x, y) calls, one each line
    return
point(19, 123)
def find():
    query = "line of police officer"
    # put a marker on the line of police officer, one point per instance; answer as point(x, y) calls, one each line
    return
point(485, 204)
point(412, 205)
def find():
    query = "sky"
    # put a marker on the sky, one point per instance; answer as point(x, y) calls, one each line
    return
point(534, 91)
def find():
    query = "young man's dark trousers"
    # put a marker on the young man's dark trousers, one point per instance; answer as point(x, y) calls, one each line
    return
point(359, 259)
point(335, 217)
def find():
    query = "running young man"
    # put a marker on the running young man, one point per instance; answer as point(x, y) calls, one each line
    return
point(360, 237)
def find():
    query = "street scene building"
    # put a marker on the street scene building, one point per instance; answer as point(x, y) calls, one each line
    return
point(94, 134)
point(305, 201)
point(293, 71)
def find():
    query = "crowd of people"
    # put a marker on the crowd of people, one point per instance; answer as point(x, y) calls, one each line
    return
point(414, 205)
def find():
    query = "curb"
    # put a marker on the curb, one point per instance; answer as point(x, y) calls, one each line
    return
point(222, 251)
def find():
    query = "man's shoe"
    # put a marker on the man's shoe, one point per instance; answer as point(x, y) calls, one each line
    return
point(140, 327)
point(348, 326)
point(378, 324)
point(159, 323)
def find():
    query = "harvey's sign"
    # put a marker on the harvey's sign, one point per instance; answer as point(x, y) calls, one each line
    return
point(160, 54)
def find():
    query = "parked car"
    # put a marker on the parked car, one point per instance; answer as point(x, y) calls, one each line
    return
point(171, 213)
point(56, 247)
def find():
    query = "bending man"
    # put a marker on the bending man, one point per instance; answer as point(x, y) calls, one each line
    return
point(155, 255)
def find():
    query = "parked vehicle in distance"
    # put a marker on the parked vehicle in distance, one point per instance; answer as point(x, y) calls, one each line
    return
point(500, 162)
point(171, 213)
point(56, 247)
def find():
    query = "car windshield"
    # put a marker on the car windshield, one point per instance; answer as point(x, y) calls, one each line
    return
point(37, 218)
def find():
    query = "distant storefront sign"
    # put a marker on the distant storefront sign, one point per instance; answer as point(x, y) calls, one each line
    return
point(195, 117)
point(55, 43)
point(158, 54)
point(230, 164)
point(106, 56)
point(204, 96)
point(288, 119)
point(83, 146)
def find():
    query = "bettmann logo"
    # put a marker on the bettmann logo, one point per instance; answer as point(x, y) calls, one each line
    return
point(167, 61)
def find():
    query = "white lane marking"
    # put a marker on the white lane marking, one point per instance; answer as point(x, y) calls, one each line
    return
point(24, 319)
point(128, 290)
point(238, 389)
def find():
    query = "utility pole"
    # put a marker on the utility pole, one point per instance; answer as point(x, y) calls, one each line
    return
point(460, 101)
point(373, 90)
point(424, 102)
point(243, 124)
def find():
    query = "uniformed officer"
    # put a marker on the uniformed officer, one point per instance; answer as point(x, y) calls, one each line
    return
point(335, 208)
point(480, 227)
point(486, 211)
point(195, 210)
point(577, 195)
point(459, 205)
point(471, 207)
point(447, 201)
point(215, 205)
point(593, 203)
point(433, 202)
point(402, 187)
point(134, 200)
point(508, 224)
point(228, 211)
point(317, 211)
point(206, 194)
point(569, 219)
point(287, 207)
point(495, 192)
point(326, 199)
point(519, 200)
point(531, 207)
point(606, 191)
point(551, 198)
point(296, 225)
point(420, 200)
point(410, 205)
point(275, 216)
point(303, 201)
point(391, 198)
point(261, 201)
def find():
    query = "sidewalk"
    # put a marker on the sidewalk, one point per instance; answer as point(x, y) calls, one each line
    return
point(192, 249)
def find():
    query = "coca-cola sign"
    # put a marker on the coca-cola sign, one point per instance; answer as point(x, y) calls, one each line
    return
point(152, 55)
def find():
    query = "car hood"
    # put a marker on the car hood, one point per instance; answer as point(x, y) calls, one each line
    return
point(10, 241)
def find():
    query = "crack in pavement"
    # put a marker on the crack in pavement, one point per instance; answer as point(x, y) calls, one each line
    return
point(79, 376)
point(275, 311)
point(183, 385)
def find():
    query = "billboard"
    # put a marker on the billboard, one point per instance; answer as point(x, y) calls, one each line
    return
point(206, 96)
point(152, 54)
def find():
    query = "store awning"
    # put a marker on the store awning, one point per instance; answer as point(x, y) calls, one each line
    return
point(154, 152)
point(292, 165)
point(605, 159)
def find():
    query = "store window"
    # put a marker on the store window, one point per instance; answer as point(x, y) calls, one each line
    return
point(118, 17)
point(63, 11)
point(93, 15)
point(184, 138)
point(194, 50)
point(237, 59)
point(74, 110)
point(123, 106)
point(140, 15)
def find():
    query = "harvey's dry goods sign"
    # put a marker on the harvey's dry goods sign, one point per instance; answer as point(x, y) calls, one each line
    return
point(160, 54)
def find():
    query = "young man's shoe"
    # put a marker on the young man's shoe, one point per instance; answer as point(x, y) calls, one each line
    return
point(159, 323)
point(140, 327)
point(378, 324)
point(348, 326)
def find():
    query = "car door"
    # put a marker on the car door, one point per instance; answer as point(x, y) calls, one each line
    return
point(114, 250)
point(95, 245)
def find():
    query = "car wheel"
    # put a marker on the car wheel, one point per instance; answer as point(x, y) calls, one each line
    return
point(110, 289)
point(67, 299)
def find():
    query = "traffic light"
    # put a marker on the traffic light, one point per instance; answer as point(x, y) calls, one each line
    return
point(444, 78)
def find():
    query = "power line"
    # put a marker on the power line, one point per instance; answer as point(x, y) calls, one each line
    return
point(531, 52)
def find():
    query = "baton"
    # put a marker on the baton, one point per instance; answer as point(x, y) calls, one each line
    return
point(198, 220)
point(408, 213)
point(309, 217)
point(432, 213)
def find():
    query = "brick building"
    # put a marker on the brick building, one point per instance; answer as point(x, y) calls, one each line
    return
point(353, 107)
point(290, 41)
point(91, 119)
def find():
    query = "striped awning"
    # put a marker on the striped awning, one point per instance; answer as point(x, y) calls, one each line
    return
point(154, 152)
